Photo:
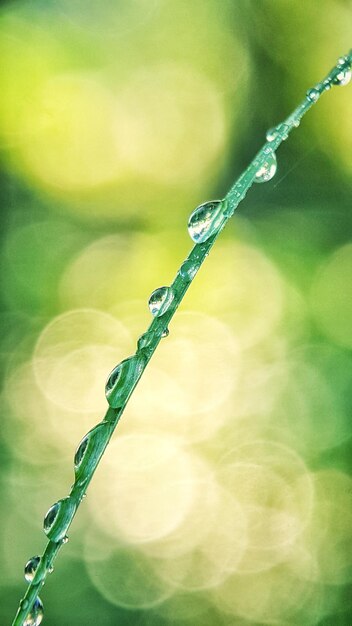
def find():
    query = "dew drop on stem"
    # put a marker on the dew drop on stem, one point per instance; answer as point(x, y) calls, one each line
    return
point(206, 220)
point(160, 301)
point(31, 568)
point(267, 170)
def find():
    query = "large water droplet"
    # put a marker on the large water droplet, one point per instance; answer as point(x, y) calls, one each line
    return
point(121, 380)
point(312, 94)
point(343, 77)
point(58, 518)
point(89, 451)
point(31, 568)
point(206, 220)
point(34, 618)
point(160, 301)
point(267, 170)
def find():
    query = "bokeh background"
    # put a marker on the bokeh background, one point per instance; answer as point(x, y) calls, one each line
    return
point(225, 495)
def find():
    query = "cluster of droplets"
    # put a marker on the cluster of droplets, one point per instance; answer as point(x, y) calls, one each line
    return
point(36, 613)
point(340, 79)
point(345, 74)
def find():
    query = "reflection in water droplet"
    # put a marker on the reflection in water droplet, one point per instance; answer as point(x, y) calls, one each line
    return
point(267, 170)
point(31, 568)
point(160, 301)
point(51, 516)
point(343, 77)
point(80, 452)
point(272, 133)
point(34, 618)
point(206, 220)
point(89, 451)
point(121, 380)
point(312, 94)
point(189, 269)
point(58, 518)
point(165, 332)
point(144, 340)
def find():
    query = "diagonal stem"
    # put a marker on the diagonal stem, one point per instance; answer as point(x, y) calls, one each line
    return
point(148, 342)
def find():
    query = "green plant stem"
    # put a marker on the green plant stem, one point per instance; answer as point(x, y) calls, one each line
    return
point(159, 324)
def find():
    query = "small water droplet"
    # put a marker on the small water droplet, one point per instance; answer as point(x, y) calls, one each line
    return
point(31, 568)
point(160, 301)
point(80, 452)
point(122, 379)
point(206, 220)
point(58, 518)
point(296, 123)
point(89, 450)
point(145, 340)
point(24, 604)
point(312, 94)
point(34, 618)
point(50, 569)
point(343, 77)
point(272, 134)
point(165, 333)
point(189, 269)
point(65, 539)
point(267, 170)
point(51, 516)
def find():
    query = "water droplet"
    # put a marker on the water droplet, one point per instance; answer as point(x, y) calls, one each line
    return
point(31, 568)
point(267, 170)
point(58, 518)
point(160, 301)
point(189, 269)
point(51, 516)
point(343, 77)
point(312, 94)
point(80, 452)
point(34, 618)
point(206, 220)
point(165, 333)
point(122, 379)
point(342, 60)
point(50, 569)
point(272, 134)
point(24, 604)
point(89, 451)
point(65, 539)
point(145, 340)
point(296, 123)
